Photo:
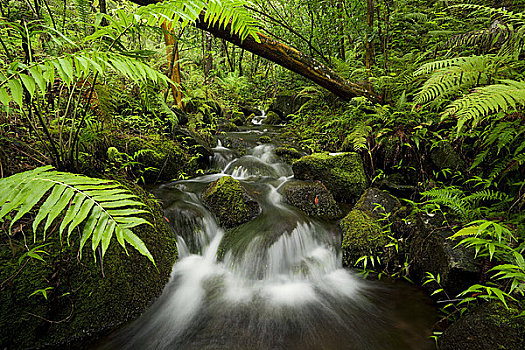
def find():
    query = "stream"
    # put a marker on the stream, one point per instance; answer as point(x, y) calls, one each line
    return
point(278, 285)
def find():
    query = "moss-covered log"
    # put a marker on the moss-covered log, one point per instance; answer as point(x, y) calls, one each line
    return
point(289, 58)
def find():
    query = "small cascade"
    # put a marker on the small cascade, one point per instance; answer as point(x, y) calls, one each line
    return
point(259, 119)
point(279, 284)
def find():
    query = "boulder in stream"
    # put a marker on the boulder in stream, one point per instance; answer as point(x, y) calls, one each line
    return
point(312, 198)
point(377, 203)
point(272, 118)
point(362, 236)
point(432, 251)
point(342, 173)
point(489, 326)
point(85, 299)
point(230, 202)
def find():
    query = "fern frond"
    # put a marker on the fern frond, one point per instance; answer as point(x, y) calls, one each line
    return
point(103, 207)
point(72, 67)
point(452, 197)
point(500, 13)
point(486, 100)
point(452, 75)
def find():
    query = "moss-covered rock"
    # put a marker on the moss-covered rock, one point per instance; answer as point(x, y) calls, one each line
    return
point(265, 139)
point(85, 298)
point(343, 173)
point(228, 127)
point(152, 158)
point(287, 154)
point(230, 203)
point(312, 198)
point(287, 102)
point(237, 118)
point(444, 156)
point(272, 118)
point(362, 235)
point(432, 251)
point(489, 326)
point(377, 203)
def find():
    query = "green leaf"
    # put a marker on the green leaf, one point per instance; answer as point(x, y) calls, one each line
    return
point(16, 91)
point(4, 97)
point(29, 83)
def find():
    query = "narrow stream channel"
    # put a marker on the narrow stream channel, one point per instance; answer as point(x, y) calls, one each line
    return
point(280, 285)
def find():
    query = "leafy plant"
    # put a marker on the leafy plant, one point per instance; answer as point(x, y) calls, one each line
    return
point(103, 207)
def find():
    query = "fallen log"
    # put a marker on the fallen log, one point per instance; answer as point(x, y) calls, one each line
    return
point(289, 58)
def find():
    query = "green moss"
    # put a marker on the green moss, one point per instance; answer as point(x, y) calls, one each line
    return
point(265, 139)
point(362, 235)
point(89, 298)
point(272, 118)
point(229, 202)
point(287, 154)
point(343, 174)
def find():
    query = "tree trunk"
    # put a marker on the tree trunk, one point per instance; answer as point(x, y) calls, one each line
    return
point(290, 58)
point(172, 50)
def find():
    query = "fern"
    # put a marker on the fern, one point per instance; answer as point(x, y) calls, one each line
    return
point(452, 75)
point(38, 76)
point(487, 100)
point(104, 208)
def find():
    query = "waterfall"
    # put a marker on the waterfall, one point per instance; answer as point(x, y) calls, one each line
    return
point(281, 286)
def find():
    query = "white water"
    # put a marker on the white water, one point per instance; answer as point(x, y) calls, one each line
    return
point(280, 286)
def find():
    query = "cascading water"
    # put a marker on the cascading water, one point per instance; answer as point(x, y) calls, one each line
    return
point(280, 285)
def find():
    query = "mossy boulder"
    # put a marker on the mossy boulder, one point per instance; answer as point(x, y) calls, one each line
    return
point(377, 203)
point(287, 154)
point(432, 251)
point(237, 118)
point(342, 173)
point(362, 235)
point(444, 156)
point(265, 139)
point(489, 326)
point(312, 198)
point(228, 127)
point(230, 202)
point(86, 299)
point(287, 102)
point(159, 159)
point(272, 118)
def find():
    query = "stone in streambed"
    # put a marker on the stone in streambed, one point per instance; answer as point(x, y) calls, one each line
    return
point(343, 174)
point(230, 202)
point(489, 326)
point(362, 236)
point(312, 198)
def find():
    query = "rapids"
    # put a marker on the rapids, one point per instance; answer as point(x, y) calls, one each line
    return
point(279, 283)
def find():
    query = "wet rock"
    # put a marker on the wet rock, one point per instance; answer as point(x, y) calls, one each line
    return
point(86, 299)
point(431, 251)
point(288, 154)
point(237, 118)
point(489, 326)
point(196, 142)
point(265, 139)
point(287, 103)
point(342, 173)
point(362, 236)
point(272, 118)
point(377, 203)
point(228, 127)
point(398, 185)
point(249, 110)
point(445, 156)
point(230, 203)
point(159, 159)
point(312, 198)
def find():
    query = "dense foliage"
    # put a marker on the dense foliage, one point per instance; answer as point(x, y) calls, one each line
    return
point(76, 76)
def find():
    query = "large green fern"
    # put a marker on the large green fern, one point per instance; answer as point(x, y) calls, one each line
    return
point(101, 208)
point(487, 100)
